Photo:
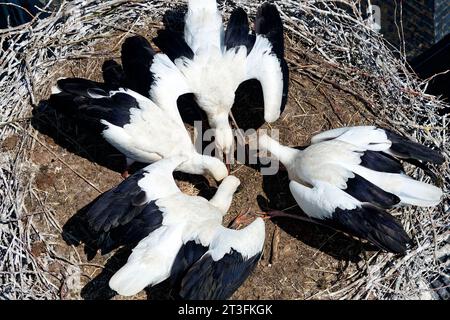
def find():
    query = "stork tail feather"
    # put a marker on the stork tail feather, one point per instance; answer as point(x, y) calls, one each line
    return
point(376, 225)
point(407, 149)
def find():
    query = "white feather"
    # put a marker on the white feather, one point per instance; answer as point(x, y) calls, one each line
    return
point(224, 194)
point(203, 26)
point(366, 137)
point(264, 66)
point(322, 200)
point(409, 191)
point(55, 90)
point(160, 174)
point(248, 241)
point(168, 85)
point(150, 262)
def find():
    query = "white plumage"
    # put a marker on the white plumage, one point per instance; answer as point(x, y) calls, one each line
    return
point(215, 65)
point(167, 86)
point(138, 128)
point(350, 175)
point(172, 230)
point(203, 29)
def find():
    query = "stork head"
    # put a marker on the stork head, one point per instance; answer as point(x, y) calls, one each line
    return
point(205, 165)
point(215, 168)
point(224, 194)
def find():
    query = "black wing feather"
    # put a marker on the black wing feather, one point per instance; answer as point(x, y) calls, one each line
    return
point(129, 233)
point(82, 87)
point(173, 45)
point(382, 162)
point(237, 33)
point(366, 191)
point(217, 280)
point(285, 71)
point(75, 100)
point(123, 215)
point(407, 149)
point(113, 74)
point(268, 23)
point(116, 206)
point(374, 224)
point(137, 58)
point(189, 253)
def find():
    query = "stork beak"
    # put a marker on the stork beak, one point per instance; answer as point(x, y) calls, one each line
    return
point(243, 219)
point(277, 213)
point(263, 215)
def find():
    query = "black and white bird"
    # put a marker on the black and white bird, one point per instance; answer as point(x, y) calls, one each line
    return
point(136, 126)
point(175, 235)
point(215, 62)
point(350, 176)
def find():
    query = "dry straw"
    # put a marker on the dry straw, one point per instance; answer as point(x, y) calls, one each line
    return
point(334, 34)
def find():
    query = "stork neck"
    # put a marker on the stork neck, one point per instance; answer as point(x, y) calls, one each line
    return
point(224, 194)
point(285, 155)
point(219, 121)
point(202, 164)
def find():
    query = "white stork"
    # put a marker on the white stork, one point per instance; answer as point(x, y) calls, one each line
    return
point(142, 130)
point(215, 62)
point(175, 235)
point(350, 176)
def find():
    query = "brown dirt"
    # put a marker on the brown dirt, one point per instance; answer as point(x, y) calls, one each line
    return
point(307, 260)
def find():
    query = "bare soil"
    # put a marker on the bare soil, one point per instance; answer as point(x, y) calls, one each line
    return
point(71, 166)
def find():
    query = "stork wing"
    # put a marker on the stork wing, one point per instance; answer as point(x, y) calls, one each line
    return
point(237, 33)
point(264, 66)
point(169, 84)
point(95, 102)
point(366, 137)
point(321, 200)
point(133, 196)
point(377, 139)
point(137, 57)
point(231, 257)
point(266, 61)
point(162, 254)
point(154, 75)
point(173, 45)
point(364, 220)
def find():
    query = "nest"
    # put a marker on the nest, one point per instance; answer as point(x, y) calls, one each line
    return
point(329, 43)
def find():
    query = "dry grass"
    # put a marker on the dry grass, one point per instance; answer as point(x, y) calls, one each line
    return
point(341, 73)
